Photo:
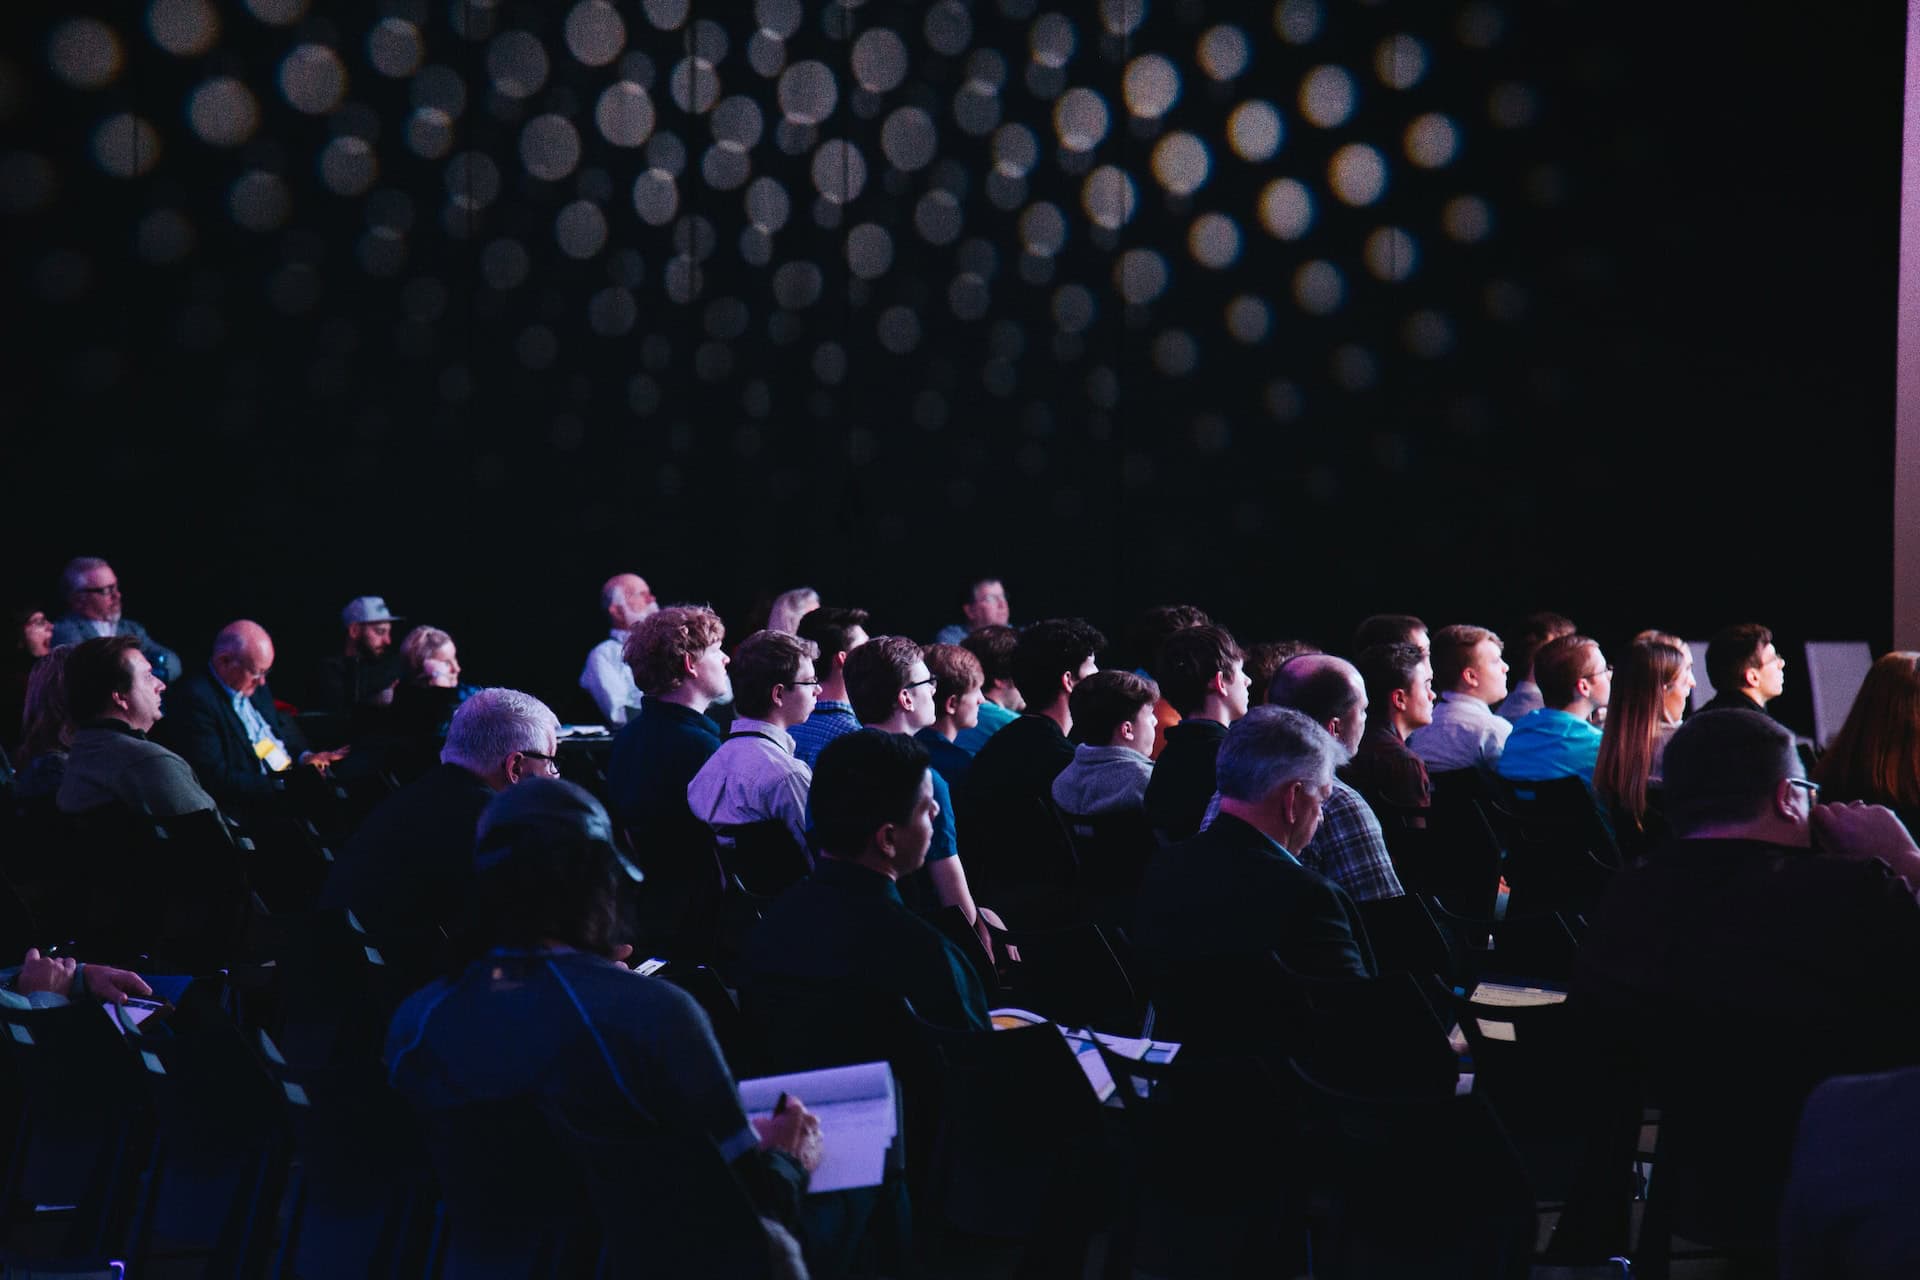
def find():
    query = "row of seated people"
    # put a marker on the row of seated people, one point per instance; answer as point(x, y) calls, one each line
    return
point(1736, 927)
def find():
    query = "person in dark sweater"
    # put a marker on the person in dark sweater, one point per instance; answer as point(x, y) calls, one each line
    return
point(1015, 770)
point(1203, 674)
point(1746, 671)
point(1399, 681)
point(410, 864)
point(367, 671)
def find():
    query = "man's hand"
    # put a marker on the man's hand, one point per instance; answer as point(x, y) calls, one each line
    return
point(794, 1130)
point(112, 986)
point(1856, 830)
point(324, 760)
point(41, 973)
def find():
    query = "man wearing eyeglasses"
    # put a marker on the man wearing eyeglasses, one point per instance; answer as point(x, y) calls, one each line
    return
point(1559, 740)
point(755, 777)
point(93, 609)
point(223, 721)
point(1770, 943)
point(411, 862)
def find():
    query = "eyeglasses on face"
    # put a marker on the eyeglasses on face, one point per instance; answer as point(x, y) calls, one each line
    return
point(552, 763)
point(930, 680)
point(1807, 785)
point(111, 589)
point(797, 683)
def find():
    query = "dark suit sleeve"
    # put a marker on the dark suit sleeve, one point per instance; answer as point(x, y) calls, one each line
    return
point(209, 736)
point(165, 662)
point(1328, 940)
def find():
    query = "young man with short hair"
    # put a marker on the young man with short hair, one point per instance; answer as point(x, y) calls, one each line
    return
point(1472, 679)
point(838, 632)
point(1000, 700)
point(1203, 674)
point(1114, 725)
point(1746, 671)
point(1019, 763)
point(1399, 682)
point(893, 691)
point(958, 684)
point(1559, 740)
point(1536, 631)
point(754, 776)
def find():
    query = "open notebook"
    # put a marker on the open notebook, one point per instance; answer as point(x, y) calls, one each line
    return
point(859, 1118)
point(1084, 1050)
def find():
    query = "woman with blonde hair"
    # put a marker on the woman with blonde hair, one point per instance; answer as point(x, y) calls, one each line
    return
point(1876, 755)
point(1650, 689)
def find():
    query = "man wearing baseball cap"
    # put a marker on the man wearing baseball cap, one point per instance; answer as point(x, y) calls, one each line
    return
point(366, 671)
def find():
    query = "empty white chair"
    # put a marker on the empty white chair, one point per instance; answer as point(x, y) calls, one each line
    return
point(1835, 672)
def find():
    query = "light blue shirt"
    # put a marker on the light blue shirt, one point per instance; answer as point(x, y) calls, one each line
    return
point(993, 718)
point(1548, 744)
point(250, 718)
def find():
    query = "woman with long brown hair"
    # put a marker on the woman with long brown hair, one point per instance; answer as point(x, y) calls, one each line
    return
point(1876, 755)
point(1650, 689)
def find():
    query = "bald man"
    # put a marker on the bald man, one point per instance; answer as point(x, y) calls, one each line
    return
point(627, 598)
point(223, 721)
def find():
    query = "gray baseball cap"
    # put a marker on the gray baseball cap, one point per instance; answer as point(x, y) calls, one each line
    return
point(367, 609)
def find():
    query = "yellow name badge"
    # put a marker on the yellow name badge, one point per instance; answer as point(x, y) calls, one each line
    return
point(273, 755)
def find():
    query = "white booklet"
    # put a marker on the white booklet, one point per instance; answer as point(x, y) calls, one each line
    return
point(859, 1118)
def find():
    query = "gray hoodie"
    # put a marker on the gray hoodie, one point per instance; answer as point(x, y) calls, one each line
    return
point(1103, 780)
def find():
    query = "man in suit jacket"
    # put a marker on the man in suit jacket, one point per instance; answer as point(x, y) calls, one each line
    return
point(93, 611)
point(224, 722)
point(1238, 888)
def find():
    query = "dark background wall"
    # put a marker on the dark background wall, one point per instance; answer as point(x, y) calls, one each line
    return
point(470, 305)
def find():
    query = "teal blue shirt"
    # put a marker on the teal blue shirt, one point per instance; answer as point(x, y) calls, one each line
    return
point(993, 718)
point(1550, 744)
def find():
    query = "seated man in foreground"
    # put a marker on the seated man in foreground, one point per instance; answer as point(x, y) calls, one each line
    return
point(843, 931)
point(548, 1013)
point(114, 696)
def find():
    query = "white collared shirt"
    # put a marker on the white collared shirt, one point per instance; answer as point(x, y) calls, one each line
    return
point(610, 680)
point(1465, 734)
point(753, 777)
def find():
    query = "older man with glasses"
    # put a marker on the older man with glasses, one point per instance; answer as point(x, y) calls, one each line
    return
point(93, 597)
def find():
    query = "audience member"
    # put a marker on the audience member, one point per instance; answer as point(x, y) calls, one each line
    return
point(1848, 1211)
point(1000, 700)
point(1876, 755)
point(114, 697)
point(838, 632)
point(1266, 658)
point(1015, 770)
point(1559, 740)
point(93, 612)
point(677, 661)
point(1536, 630)
point(224, 723)
point(893, 690)
point(754, 776)
point(1399, 685)
point(958, 684)
point(985, 606)
point(424, 703)
point(1472, 679)
point(1238, 888)
point(791, 606)
point(1770, 943)
point(1113, 726)
point(33, 637)
point(1349, 848)
point(1643, 710)
point(1391, 628)
point(1203, 674)
point(410, 864)
point(626, 599)
point(1746, 671)
point(873, 816)
point(550, 1014)
point(369, 668)
point(1147, 635)
point(47, 729)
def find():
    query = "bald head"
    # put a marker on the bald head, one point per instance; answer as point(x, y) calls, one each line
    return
point(627, 598)
point(1327, 688)
point(242, 656)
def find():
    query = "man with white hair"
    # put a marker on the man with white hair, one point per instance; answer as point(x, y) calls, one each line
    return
point(223, 721)
point(627, 599)
point(1239, 888)
point(410, 863)
point(92, 591)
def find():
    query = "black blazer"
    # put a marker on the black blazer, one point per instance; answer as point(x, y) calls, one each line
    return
point(1230, 891)
point(199, 723)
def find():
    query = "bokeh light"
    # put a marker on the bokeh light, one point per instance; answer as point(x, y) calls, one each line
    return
point(1286, 208)
point(1432, 140)
point(1358, 174)
point(1224, 52)
point(314, 80)
point(1254, 131)
point(1150, 86)
point(1326, 96)
point(1181, 163)
point(85, 53)
point(222, 112)
point(184, 28)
